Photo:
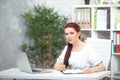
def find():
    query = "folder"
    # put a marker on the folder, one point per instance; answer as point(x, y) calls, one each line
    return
point(118, 49)
point(101, 22)
point(118, 42)
point(82, 17)
point(114, 42)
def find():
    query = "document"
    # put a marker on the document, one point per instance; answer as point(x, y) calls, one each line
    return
point(102, 19)
point(73, 71)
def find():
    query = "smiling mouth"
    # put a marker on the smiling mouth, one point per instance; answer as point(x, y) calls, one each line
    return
point(69, 40)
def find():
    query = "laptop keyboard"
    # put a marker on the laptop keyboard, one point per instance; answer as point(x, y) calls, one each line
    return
point(41, 70)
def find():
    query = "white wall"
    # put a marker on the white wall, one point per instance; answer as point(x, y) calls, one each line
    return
point(64, 6)
point(12, 29)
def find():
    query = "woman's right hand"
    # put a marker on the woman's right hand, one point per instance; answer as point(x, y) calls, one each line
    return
point(59, 66)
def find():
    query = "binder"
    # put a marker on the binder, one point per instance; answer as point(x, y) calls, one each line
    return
point(114, 42)
point(83, 17)
point(118, 49)
point(101, 19)
point(87, 18)
point(118, 42)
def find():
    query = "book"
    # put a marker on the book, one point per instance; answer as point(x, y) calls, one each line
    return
point(118, 42)
point(95, 19)
point(114, 42)
point(117, 19)
point(101, 21)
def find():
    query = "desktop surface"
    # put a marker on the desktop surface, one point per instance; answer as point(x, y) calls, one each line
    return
point(15, 73)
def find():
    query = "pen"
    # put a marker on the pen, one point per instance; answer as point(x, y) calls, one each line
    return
point(60, 60)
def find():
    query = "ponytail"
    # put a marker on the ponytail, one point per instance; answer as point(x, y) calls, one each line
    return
point(67, 55)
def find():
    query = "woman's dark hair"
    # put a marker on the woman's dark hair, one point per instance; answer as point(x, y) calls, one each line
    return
point(76, 27)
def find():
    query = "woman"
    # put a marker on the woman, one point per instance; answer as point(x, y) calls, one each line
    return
point(77, 54)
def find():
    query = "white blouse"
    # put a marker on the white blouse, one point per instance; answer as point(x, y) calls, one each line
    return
point(85, 58)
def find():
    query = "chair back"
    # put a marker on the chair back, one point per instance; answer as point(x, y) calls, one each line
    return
point(103, 49)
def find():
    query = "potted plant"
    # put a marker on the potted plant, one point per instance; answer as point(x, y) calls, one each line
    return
point(45, 33)
point(87, 1)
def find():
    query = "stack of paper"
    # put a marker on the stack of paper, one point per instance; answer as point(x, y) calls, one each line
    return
point(73, 71)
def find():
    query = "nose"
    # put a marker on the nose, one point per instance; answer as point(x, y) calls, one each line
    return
point(68, 36)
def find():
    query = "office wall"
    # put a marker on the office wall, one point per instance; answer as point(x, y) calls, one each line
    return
point(12, 26)
point(12, 29)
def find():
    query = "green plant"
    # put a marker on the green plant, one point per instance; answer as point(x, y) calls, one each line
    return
point(45, 32)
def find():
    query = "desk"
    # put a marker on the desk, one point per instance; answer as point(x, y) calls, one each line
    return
point(15, 73)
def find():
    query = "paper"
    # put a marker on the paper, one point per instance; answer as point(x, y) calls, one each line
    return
point(102, 19)
point(73, 71)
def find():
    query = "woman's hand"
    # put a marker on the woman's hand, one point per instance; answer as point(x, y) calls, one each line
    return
point(88, 71)
point(97, 68)
point(59, 66)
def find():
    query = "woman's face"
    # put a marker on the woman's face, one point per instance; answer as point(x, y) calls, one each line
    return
point(71, 35)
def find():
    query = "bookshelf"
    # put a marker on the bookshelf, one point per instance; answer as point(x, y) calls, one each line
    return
point(104, 23)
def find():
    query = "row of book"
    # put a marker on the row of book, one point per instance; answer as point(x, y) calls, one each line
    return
point(83, 18)
point(101, 18)
point(116, 42)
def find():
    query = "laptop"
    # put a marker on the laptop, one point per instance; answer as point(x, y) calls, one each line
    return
point(24, 65)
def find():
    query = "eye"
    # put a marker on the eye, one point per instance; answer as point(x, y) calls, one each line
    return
point(71, 32)
point(66, 34)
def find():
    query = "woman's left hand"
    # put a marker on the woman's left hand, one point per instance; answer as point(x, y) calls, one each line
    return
point(88, 71)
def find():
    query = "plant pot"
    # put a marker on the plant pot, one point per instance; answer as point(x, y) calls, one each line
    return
point(87, 1)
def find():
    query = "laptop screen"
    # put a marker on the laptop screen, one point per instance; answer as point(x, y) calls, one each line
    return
point(23, 62)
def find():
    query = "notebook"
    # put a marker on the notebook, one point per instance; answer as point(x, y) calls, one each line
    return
point(24, 65)
point(73, 71)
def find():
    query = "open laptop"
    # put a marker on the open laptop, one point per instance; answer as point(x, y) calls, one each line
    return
point(24, 65)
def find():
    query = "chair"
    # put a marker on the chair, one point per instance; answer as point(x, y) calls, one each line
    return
point(103, 49)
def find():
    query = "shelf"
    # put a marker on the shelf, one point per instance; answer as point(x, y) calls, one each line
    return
point(115, 30)
point(85, 29)
point(101, 28)
point(116, 54)
point(97, 5)
point(95, 30)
